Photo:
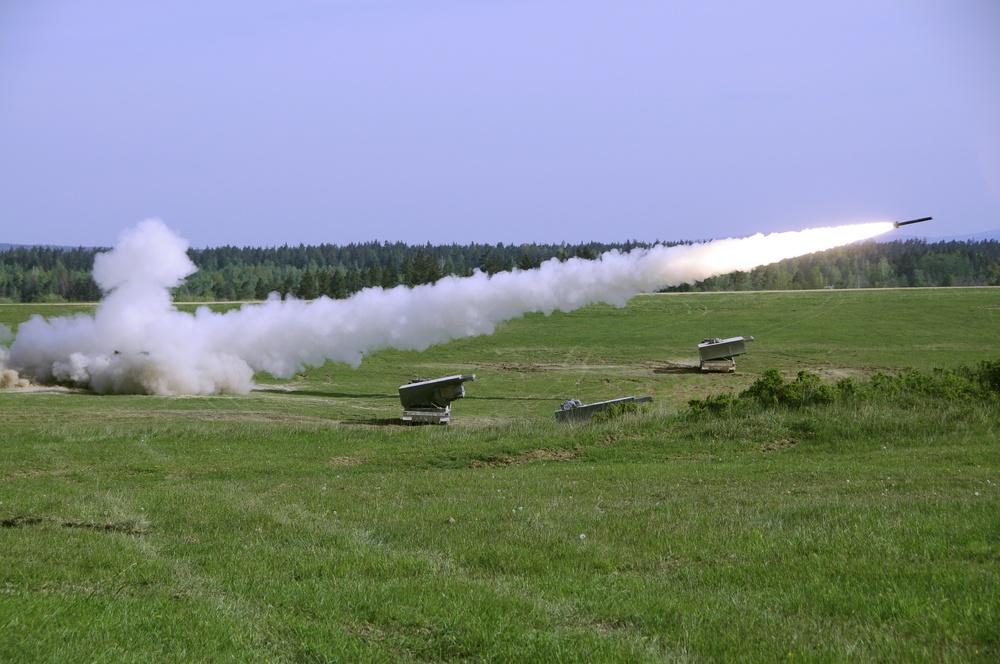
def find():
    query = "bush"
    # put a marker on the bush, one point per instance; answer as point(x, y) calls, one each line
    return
point(771, 390)
point(767, 389)
point(988, 375)
point(938, 383)
point(846, 389)
point(715, 404)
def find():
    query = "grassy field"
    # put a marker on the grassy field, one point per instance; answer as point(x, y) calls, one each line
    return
point(301, 523)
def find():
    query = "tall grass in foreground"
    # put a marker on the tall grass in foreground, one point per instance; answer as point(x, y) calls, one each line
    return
point(832, 532)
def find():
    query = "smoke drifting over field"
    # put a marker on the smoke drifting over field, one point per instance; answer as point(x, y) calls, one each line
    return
point(137, 342)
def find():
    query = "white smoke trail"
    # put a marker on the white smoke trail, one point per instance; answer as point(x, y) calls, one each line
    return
point(137, 342)
point(8, 377)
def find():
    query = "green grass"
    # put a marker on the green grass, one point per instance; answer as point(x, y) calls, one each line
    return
point(298, 523)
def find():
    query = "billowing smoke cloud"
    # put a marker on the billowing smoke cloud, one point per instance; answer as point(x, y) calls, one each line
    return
point(8, 377)
point(138, 342)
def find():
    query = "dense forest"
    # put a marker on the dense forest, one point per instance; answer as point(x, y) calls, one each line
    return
point(53, 274)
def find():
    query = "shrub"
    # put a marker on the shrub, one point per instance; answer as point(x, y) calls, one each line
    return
point(988, 375)
point(767, 389)
point(846, 388)
point(771, 390)
point(937, 383)
point(714, 403)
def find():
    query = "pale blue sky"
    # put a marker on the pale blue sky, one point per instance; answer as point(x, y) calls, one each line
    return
point(265, 123)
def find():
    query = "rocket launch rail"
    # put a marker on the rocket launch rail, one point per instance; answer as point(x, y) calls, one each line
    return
point(718, 354)
point(429, 401)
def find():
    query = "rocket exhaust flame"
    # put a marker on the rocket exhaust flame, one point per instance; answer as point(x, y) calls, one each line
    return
point(138, 342)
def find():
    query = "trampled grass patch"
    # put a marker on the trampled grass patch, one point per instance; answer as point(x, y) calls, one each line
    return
point(302, 522)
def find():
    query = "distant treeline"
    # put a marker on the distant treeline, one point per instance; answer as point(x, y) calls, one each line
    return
point(51, 274)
